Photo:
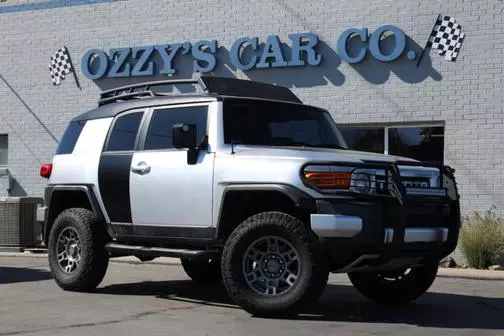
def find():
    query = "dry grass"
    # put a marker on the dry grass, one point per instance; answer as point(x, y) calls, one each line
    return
point(482, 239)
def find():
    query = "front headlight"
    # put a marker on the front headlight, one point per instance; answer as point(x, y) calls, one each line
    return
point(341, 178)
point(363, 181)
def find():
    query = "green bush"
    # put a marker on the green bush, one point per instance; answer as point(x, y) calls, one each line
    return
point(482, 239)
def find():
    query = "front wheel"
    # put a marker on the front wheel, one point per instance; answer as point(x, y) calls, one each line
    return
point(396, 286)
point(271, 265)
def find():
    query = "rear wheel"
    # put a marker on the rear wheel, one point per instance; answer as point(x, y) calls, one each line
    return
point(77, 255)
point(396, 286)
point(203, 271)
point(271, 265)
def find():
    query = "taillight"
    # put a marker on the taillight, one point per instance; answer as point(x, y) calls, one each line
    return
point(46, 170)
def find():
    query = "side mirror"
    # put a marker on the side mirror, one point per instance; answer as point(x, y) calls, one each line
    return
point(184, 136)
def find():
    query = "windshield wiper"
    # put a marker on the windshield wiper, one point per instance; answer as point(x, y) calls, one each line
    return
point(329, 146)
point(304, 144)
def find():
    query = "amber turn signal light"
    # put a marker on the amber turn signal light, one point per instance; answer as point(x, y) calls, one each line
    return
point(329, 180)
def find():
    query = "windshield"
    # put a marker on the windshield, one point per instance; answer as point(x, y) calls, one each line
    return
point(266, 123)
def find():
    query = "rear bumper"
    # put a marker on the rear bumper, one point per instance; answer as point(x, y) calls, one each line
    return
point(377, 234)
point(41, 214)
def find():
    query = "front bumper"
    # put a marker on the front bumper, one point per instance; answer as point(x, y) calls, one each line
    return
point(362, 234)
point(342, 226)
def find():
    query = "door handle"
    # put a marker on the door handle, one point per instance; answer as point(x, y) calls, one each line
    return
point(141, 168)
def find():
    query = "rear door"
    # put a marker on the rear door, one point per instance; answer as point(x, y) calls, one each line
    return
point(169, 197)
point(114, 167)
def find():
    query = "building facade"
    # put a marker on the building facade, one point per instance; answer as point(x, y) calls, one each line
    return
point(449, 112)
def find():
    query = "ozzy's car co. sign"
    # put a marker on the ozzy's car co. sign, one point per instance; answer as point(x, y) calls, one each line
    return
point(246, 53)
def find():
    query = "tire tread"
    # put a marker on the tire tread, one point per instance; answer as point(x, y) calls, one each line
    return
point(92, 234)
point(289, 224)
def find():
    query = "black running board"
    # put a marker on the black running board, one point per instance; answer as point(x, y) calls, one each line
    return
point(143, 252)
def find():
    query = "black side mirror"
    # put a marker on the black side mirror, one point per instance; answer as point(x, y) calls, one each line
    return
point(184, 136)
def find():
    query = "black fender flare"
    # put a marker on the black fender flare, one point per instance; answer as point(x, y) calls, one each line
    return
point(52, 212)
point(300, 198)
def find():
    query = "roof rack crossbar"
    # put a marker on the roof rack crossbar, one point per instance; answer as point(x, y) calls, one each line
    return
point(210, 85)
point(126, 96)
point(118, 93)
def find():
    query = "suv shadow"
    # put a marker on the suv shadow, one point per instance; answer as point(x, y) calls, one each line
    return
point(22, 274)
point(341, 303)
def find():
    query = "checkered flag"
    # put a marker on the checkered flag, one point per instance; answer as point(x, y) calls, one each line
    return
point(446, 37)
point(61, 65)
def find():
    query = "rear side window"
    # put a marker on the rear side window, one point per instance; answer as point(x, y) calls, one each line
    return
point(70, 137)
point(124, 132)
point(159, 135)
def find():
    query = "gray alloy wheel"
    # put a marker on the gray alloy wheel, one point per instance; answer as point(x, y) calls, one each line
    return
point(69, 250)
point(271, 266)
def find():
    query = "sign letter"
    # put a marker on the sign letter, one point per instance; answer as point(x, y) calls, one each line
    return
point(308, 48)
point(97, 57)
point(199, 52)
point(341, 46)
point(117, 63)
point(374, 43)
point(273, 51)
point(144, 57)
point(235, 52)
point(168, 52)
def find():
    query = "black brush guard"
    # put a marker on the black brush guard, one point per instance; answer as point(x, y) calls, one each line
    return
point(399, 208)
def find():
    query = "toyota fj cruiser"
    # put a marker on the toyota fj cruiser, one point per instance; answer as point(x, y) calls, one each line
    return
point(247, 186)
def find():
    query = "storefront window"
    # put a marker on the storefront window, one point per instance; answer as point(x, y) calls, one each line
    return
point(417, 142)
point(4, 149)
point(365, 139)
point(421, 143)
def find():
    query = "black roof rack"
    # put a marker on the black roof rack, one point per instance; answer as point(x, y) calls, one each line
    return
point(210, 85)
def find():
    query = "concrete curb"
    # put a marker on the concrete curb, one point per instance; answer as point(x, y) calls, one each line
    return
point(454, 273)
point(472, 274)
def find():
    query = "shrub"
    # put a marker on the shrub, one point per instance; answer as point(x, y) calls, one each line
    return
point(482, 239)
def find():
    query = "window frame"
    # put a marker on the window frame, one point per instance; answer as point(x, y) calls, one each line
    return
point(112, 125)
point(147, 120)
point(7, 149)
point(81, 123)
point(387, 127)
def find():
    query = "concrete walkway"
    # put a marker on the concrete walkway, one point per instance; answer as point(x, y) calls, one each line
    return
point(443, 272)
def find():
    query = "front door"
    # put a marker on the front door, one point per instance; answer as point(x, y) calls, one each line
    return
point(169, 197)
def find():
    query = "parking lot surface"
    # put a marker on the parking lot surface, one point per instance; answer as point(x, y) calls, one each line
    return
point(160, 300)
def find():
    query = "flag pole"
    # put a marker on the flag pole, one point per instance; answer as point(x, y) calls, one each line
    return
point(73, 68)
point(427, 43)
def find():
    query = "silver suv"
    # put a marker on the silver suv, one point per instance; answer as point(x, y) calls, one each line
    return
point(248, 187)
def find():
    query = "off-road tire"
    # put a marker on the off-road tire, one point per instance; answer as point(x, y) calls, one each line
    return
point(311, 281)
point(387, 291)
point(203, 271)
point(94, 257)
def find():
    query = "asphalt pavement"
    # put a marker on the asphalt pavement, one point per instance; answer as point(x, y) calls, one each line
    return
point(154, 299)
